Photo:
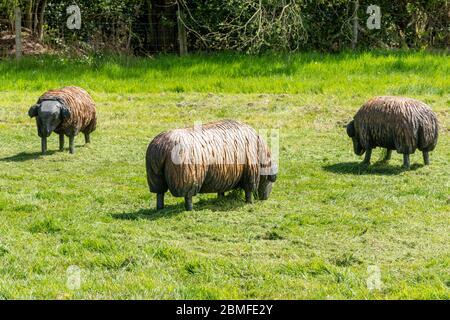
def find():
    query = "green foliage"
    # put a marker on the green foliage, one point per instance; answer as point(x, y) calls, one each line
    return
point(105, 24)
point(328, 218)
point(7, 9)
point(149, 26)
point(286, 25)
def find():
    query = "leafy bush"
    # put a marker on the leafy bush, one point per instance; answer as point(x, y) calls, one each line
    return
point(252, 26)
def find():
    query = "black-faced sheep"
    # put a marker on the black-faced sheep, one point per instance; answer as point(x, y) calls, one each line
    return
point(215, 157)
point(394, 123)
point(66, 111)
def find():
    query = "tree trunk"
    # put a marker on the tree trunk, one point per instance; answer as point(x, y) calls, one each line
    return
point(40, 24)
point(35, 17)
point(29, 15)
point(355, 25)
point(181, 34)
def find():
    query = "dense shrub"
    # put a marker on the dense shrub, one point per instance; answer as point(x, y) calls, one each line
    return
point(146, 26)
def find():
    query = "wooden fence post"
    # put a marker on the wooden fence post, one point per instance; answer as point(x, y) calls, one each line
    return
point(355, 25)
point(181, 34)
point(18, 27)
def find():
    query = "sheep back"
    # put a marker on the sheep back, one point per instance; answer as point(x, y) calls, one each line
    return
point(215, 157)
point(82, 117)
point(397, 123)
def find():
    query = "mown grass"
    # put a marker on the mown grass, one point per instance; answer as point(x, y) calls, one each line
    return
point(328, 219)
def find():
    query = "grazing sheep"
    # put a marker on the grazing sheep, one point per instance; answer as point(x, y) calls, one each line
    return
point(394, 123)
point(66, 111)
point(216, 157)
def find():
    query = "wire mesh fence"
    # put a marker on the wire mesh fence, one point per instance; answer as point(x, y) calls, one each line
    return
point(147, 27)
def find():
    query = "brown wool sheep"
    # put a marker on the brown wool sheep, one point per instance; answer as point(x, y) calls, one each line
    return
point(394, 123)
point(213, 158)
point(66, 111)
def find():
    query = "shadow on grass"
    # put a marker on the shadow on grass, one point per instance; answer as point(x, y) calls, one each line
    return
point(150, 214)
point(230, 202)
point(25, 156)
point(378, 168)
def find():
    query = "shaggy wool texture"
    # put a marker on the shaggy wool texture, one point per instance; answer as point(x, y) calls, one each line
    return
point(215, 157)
point(396, 123)
point(82, 117)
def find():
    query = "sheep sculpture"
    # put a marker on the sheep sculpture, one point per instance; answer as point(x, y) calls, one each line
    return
point(394, 123)
point(212, 158)
point(66, 111)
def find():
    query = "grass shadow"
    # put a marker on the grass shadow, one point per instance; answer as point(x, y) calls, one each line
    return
point(229, 202)
point(378, 168)
point(150, 214)
point(26, 156)
point(232, 201)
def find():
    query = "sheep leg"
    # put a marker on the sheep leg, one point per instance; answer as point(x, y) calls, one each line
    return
point(368, 156)
point(87, 138)
point(406, 160)
point(221, 195)
point(248, 197)
point(44, 145)
point(188, 203)
point(388, 155)
point(61, 141)
point(71, 144)
point(426, 158)
point(159, 201)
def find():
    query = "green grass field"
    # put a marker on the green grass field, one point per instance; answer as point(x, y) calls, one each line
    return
point(327, 225)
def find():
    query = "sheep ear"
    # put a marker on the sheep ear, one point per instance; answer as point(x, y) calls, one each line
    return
point(33, 112)
point(351, 129)
point(65, 112)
